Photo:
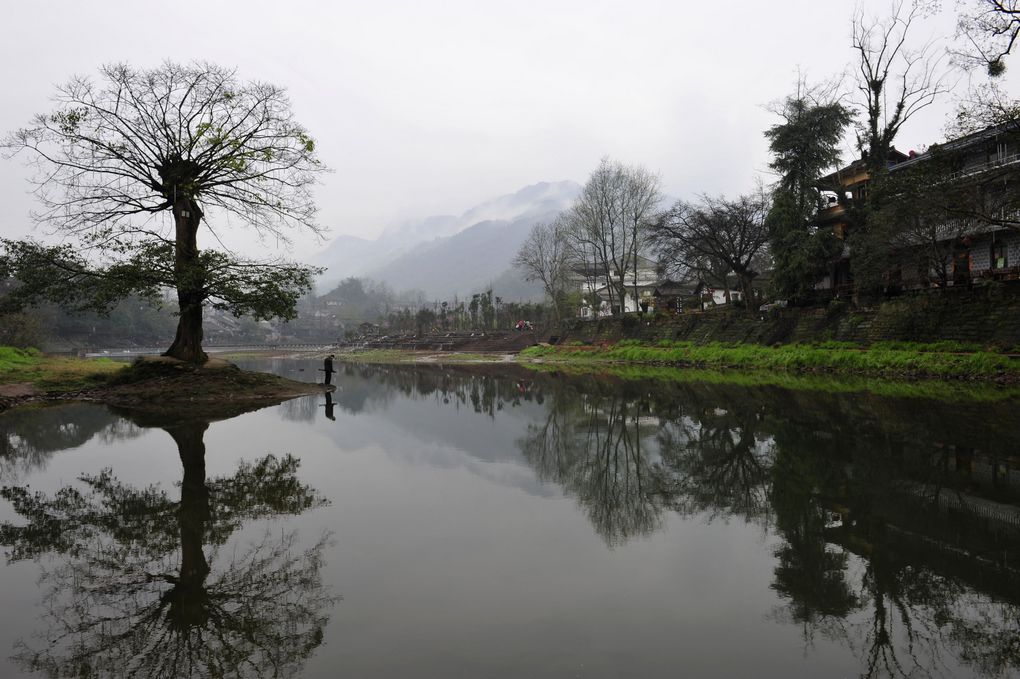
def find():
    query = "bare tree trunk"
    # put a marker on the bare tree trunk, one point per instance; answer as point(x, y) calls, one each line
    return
point(623, 294)
point(187, 344)
point(194, 508)
point(745, 285)
point(188, 598)
point(634, 242)
point(610, 288)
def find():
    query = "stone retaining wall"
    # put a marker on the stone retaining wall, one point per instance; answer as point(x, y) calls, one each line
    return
point(987, 315)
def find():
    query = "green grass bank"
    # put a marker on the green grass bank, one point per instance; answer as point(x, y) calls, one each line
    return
point(884, 359)
point(49, 374)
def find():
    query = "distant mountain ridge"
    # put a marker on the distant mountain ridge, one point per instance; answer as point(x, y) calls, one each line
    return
point(444, 255)
point(540, 197)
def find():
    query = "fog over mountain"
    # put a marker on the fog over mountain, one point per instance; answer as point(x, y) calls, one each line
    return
point(445, 255)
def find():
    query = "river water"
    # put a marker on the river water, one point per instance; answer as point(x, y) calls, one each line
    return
point(440, 521)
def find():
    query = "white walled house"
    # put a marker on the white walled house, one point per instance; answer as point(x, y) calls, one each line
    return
point(594, 286)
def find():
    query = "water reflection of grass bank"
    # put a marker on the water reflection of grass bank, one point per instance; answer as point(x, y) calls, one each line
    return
point(882, 360)
point(407, 356)
point(940, 390)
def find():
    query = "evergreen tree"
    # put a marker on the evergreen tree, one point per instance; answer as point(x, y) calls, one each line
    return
point(804, 145)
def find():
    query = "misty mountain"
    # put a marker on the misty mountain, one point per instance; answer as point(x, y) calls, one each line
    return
point(351, 256)
point(537, 198)
point(416, 230)
point(466, 262)
point(445, 255)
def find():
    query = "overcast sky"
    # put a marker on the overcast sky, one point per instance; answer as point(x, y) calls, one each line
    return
point(430, 107)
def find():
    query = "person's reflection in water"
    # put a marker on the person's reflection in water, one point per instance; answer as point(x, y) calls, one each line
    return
point(329, 405)
point(138, 589)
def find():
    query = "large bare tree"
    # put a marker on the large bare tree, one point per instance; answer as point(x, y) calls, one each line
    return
point(544, 257)
point(696, 236)
point(895, 79)
point(608, 223)
point(133, 164)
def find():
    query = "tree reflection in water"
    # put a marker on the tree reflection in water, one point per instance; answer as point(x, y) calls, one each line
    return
point(486, 389)
point(875, 501)
point(627, 460)
point(133, 592)
point(714, 461)
point(893, 518)
point(29, 437)
point(592, 446)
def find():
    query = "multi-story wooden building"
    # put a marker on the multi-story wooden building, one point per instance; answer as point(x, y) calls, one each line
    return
point(840, 191)
point(974, 233)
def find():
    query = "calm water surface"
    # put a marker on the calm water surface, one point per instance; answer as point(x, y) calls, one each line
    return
point(436, 521)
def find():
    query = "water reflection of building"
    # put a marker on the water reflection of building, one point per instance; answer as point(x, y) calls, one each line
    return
point(993, 473)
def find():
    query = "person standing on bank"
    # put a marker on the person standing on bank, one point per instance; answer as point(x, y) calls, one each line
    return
point(327, 367)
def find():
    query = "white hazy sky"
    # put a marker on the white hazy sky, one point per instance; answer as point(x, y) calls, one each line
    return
point(430, 107)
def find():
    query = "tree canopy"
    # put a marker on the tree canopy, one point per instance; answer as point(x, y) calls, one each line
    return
point(132, 165)
point(990, 29)
point(712, 234)
point(544, 257)
point(804, 145)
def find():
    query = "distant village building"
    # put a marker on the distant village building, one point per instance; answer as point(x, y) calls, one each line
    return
point(986, 164)
point(982, 245)
point(676, 297)
point(367, 329)
point(597, 300)
point(652, 292)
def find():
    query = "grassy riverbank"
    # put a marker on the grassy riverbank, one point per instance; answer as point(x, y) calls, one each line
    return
point(888, 360)
point(151, 382)
point(897, 360)
point(49, 374)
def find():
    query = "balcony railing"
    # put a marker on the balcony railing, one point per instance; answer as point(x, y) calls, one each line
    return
point(984, 167)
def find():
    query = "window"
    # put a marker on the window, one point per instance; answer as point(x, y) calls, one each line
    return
point(861, 192)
